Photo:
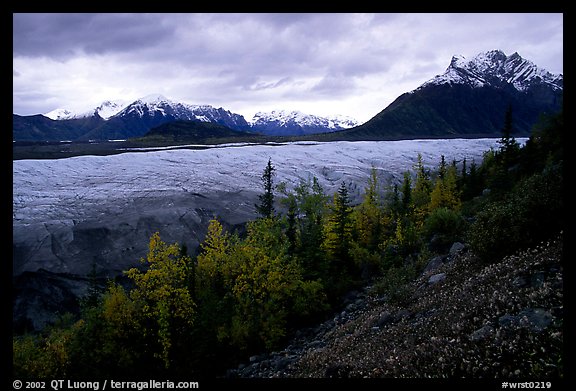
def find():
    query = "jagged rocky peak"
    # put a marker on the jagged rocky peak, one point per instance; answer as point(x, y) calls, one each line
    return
point(495, 68)
point(456, 61)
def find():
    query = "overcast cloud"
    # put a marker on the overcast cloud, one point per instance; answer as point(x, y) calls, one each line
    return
point(336, 63)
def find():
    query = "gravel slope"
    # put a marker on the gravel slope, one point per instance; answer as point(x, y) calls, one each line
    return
point(464, 320)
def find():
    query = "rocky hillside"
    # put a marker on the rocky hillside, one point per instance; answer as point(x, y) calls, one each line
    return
point(459, 319)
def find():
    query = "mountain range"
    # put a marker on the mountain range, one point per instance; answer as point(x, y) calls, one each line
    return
point(468, 100)
point(118, 120)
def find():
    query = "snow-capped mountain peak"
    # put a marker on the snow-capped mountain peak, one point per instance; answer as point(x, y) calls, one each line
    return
point(279, 116)
point(109, 108)
point(296, 117)
point(495, 68)
point(60, 114)
point(155, 109)
point(105, 110)
point(342, 121)
point(285, 122)
point(152, 110)
point(151, 104)
point(457, 61)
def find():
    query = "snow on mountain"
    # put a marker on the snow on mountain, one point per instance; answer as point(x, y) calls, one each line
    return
point(341, 122)
point(105, 110)
point(278, 122)
point(158, 106)
point(153, 104)
point(496, 68)
point(61, 114)
point(284, 117)
point(159, 109)
point(285, 122)
point(110, 108)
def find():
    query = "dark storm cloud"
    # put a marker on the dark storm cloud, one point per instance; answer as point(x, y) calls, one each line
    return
point(246, 46)
point(61, 36)
point(272, 44)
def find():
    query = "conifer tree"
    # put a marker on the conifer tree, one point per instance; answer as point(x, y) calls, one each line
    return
point(406, 192)
point(509, 147)
point(368, 215)
point(422, 187)
point(339, 234)
point(500, 177)
point(370, 223)
point(266, 206)
point(292, 228)
point(442, 168)
point(342, 212)
point(312, 206)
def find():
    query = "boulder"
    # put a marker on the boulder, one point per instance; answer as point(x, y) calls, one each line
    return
point(436, 278)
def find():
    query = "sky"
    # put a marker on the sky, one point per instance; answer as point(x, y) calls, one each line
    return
point(323, 64)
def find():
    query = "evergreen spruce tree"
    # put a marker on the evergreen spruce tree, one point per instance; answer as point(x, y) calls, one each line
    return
point(370, 221)
point(312, 206)
point(266, 206)
point(393, 201)
point(338, 238)
point(509, 147)
point(406, 192)
point(292, 228)
point(442, 168)
point(342, 212)
point(94, 292)
point(422, 187)
point(501, 178)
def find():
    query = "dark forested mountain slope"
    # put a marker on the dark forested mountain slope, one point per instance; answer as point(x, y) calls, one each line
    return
point(469, 99)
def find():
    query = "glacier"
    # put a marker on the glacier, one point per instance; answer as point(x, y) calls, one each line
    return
point(54, 199)
point(95, 214)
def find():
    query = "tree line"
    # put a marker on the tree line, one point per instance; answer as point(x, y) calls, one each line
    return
point(248, 292)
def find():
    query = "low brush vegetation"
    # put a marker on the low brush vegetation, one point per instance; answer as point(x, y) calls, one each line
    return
point(247, 293)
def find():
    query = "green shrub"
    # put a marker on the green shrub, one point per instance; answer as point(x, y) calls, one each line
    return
point(532, 212)
point(41, 357)
point(445, 226)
